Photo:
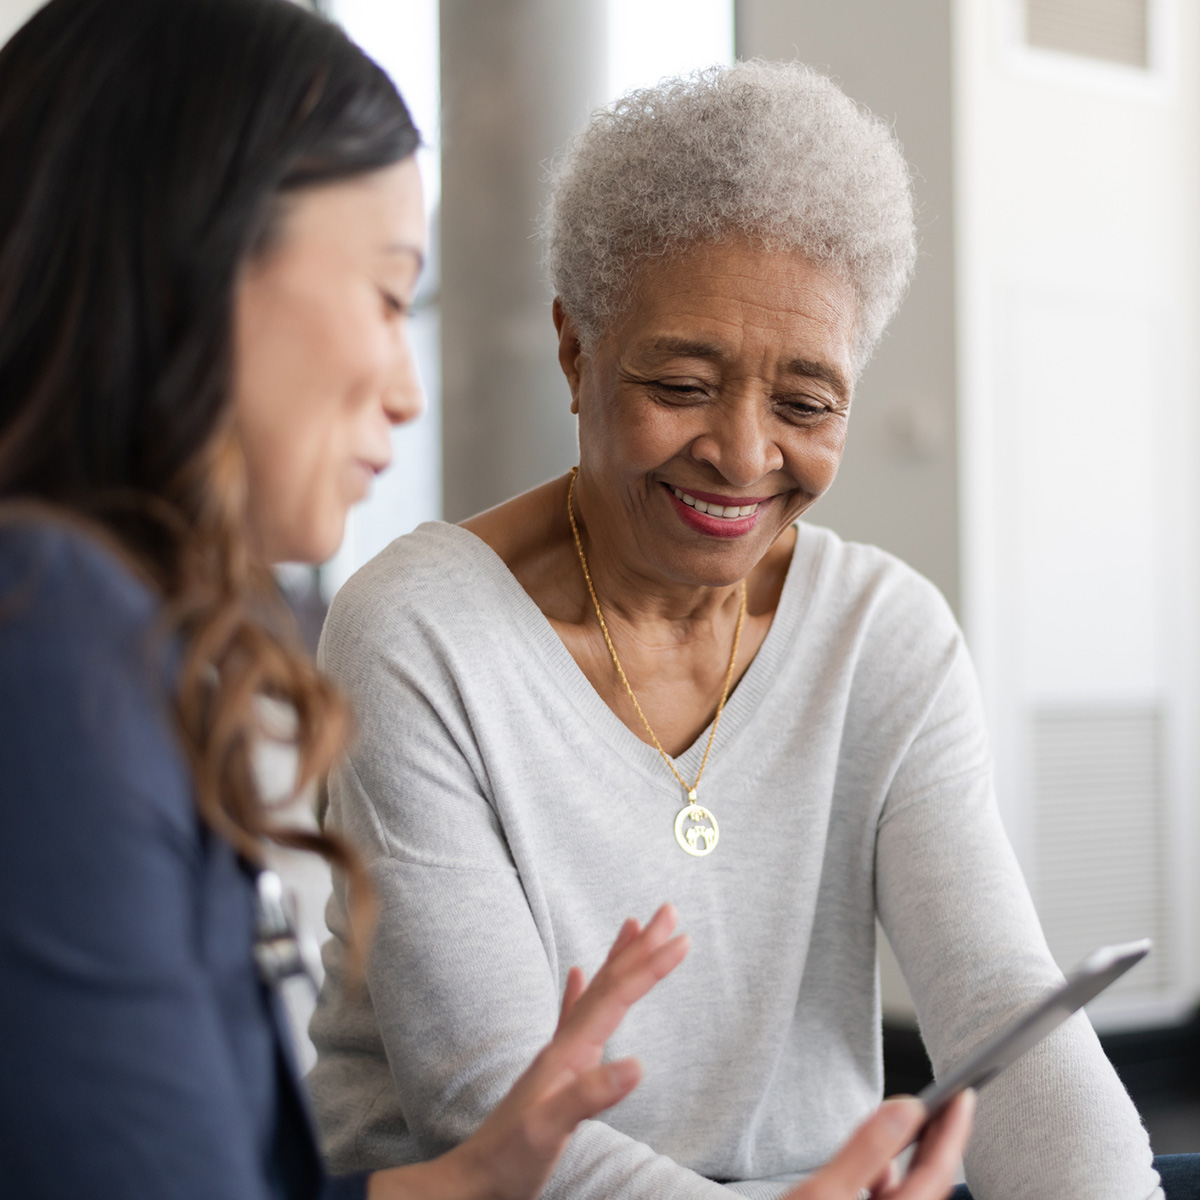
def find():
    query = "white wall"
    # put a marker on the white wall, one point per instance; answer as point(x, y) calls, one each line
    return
point(1043, 368)
point(402, 36)
point(1079, 278)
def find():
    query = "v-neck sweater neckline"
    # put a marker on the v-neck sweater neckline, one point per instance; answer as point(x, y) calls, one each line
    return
point(744, 699)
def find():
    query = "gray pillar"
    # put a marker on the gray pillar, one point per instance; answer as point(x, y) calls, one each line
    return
point(898, 486)
point(518, 78)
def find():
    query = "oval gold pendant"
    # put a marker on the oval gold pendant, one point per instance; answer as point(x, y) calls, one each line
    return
point(696, 830)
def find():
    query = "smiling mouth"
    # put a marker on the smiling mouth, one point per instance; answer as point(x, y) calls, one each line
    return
point(728, 512)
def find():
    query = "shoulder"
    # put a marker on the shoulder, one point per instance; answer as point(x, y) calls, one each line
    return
point(854, 573)
point(75, 621)
point(85, 693)
point(427, 588)
point(433, 561)
point(52, 572)
point(871, 605)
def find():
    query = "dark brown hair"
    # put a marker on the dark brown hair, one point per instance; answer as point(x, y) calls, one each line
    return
point(148, 146)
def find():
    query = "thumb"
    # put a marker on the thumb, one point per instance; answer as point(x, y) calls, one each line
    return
point(865, 1157)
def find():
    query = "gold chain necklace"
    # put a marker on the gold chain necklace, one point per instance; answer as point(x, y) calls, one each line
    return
point(696, 828)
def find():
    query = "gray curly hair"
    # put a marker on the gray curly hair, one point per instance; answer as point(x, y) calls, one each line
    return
point(773, 151)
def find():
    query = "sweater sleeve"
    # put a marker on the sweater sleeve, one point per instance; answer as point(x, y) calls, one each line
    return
point(951, 898)
point(119, 1078)
point(460, 982)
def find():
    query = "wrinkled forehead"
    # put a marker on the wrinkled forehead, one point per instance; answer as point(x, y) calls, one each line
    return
point(739, 299)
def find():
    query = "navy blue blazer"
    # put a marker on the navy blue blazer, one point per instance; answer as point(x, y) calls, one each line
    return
point(139, 1054)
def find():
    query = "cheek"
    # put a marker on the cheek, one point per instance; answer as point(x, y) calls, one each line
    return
point(815, 459)
point(342, 356)
point(333, 395)
point(630, 433)
point(300, 419)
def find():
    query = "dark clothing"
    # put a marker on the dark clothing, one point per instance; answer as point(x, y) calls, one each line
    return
point(140, 1057)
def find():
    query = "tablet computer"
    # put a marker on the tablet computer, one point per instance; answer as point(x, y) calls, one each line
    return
point(1092, 976)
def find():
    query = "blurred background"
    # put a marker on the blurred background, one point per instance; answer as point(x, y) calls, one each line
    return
point(1026, 435)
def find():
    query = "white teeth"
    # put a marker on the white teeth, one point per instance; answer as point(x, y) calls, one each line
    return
point(727, 511)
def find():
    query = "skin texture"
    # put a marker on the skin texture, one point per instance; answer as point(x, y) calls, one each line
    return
point(323, 366)
point(729, 375)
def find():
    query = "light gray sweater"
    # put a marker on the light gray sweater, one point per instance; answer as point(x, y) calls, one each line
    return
point(511, 822)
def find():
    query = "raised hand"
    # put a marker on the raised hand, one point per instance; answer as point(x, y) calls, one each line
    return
point(513, 1152)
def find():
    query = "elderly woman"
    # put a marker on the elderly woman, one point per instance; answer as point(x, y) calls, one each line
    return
point(646, 679)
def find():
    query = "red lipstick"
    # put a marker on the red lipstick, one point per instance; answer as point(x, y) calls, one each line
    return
point(720, 527)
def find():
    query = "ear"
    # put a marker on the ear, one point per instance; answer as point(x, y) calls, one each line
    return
point(570, 352)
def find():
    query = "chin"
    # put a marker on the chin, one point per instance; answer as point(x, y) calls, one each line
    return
point(325, 549)
point(314, 545)
point(711, 569)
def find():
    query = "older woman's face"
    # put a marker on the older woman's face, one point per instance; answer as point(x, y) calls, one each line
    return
point(726, 387)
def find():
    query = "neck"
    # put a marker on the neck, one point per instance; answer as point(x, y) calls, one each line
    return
point(634, 594)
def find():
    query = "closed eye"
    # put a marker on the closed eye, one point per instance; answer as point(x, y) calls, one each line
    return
point(392, 303)
point(805, 407)
point(686, 391)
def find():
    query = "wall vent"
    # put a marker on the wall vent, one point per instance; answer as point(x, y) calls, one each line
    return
point(1112, 30)
point(1099, 823)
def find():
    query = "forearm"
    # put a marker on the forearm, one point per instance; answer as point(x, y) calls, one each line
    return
point(601, 1163)
point(956, 910)
point(960, 919)
point(592, 1167)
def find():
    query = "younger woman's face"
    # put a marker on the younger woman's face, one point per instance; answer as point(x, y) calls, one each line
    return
point(322, 364)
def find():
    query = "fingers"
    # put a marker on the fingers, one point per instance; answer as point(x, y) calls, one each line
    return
point(630, 971)
point(865, 1158)
point(939, 1152)
point(515, 1149)
point(634, 965)
point(638, 960)
point(617, 987)
point(554, 1119)
point(625, 935)
point(888, 1180)
point(566, 1083)
point(576, 982)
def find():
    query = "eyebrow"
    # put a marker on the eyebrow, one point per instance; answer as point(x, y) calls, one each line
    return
point(811, 369)
point(405, 248)
point(689, 349)
point(806, 367)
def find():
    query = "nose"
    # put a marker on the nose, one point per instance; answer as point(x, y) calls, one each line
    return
point(739, 442)
point(402, 397)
